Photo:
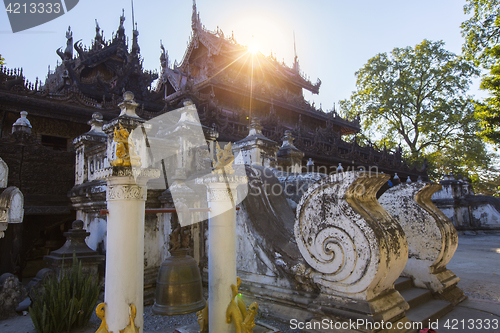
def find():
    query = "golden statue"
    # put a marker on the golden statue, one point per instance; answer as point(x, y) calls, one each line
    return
point(224, 159)
point(122, 151)
point(131, 325)
point(237, 313)
point(203, 318)
point(125, 151)
point(99, 311)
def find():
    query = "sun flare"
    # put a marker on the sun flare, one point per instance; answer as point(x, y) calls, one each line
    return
point(253, 47)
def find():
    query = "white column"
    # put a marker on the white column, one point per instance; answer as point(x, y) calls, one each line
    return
point(126, 200)
point(221, 253)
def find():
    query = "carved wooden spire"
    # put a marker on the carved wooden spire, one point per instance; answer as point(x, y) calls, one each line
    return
point(195, 18)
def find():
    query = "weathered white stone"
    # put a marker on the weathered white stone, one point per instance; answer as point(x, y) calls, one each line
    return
point(22, 124)
point(432, 238)
point(4, 174)
point(12, 201)
point(356, 249)
point(125, 251)
point(221, 196)
point(11, 208)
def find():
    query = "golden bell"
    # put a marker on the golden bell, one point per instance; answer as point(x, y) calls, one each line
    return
point(178, 286)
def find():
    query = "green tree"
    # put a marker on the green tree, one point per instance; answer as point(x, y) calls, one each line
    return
point(482, 45)
point(417, 96)
point(1, 60)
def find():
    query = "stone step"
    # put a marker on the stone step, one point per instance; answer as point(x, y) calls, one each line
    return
point(403, 283)
point(429, 311)
point(416, 296)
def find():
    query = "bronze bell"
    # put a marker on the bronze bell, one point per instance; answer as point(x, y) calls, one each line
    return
point(178, 286)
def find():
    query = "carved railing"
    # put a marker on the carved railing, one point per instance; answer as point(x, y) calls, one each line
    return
point(354, 247)
point(432, 238)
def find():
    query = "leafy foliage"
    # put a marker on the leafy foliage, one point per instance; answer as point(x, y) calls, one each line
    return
point(66, 301)
point(418, 96)
point(482, 45)
point(2, 60)
point(481, 31)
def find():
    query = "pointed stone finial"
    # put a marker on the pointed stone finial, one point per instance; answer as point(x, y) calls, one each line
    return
point(287, 140)
point(408, 180)
point(396, 180)
point(340, 168)
point(255, 127)
point(310, 165)
point(128, 105)
point(96, 123)
point(22, 124)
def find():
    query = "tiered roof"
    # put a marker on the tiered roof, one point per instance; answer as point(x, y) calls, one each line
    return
point(211, 57)
point(103, 71)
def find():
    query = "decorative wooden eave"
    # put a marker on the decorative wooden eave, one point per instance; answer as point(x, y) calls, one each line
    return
point(217, 44)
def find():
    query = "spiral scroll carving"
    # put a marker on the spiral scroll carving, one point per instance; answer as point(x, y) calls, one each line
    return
point(350, 241)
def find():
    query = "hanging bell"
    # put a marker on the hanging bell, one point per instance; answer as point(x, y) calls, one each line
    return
point(178, 286)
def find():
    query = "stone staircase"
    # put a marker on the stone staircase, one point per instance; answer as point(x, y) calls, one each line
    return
point(423, 306)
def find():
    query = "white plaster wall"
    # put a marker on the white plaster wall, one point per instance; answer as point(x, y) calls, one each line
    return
point(152, 255)
point(163, 235)
point(487, 215)
point(444, 193)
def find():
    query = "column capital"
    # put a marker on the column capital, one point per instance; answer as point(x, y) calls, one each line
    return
point(126, 192)
point(127, 172)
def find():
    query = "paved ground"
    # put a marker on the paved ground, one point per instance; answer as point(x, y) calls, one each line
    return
point(476, 262)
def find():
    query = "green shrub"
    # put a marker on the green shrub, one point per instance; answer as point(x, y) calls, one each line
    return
point(65, 301)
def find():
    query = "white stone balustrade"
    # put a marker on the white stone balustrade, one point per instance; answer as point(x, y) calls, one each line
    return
point(355, 248)
point(432, 238)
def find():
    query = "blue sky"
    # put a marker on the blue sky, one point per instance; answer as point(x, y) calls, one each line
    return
point(334, 38)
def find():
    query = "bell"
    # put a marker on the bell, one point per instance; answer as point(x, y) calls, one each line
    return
point(178, 286)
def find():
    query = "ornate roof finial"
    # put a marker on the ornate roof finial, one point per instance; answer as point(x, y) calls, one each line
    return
point(295, 58)
point(121, 29)
point(195, 18)
point(163, 56)
point(98, 39)
point(135, 42)
point(133, 21)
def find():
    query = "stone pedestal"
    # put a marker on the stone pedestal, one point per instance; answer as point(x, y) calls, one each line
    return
point(432, 238)
point(62, 259)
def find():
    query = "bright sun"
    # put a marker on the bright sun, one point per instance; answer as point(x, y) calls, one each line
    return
point(253, 47)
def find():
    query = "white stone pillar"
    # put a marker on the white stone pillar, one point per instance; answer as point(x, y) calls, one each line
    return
point(221, 247)
point(126, 200)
